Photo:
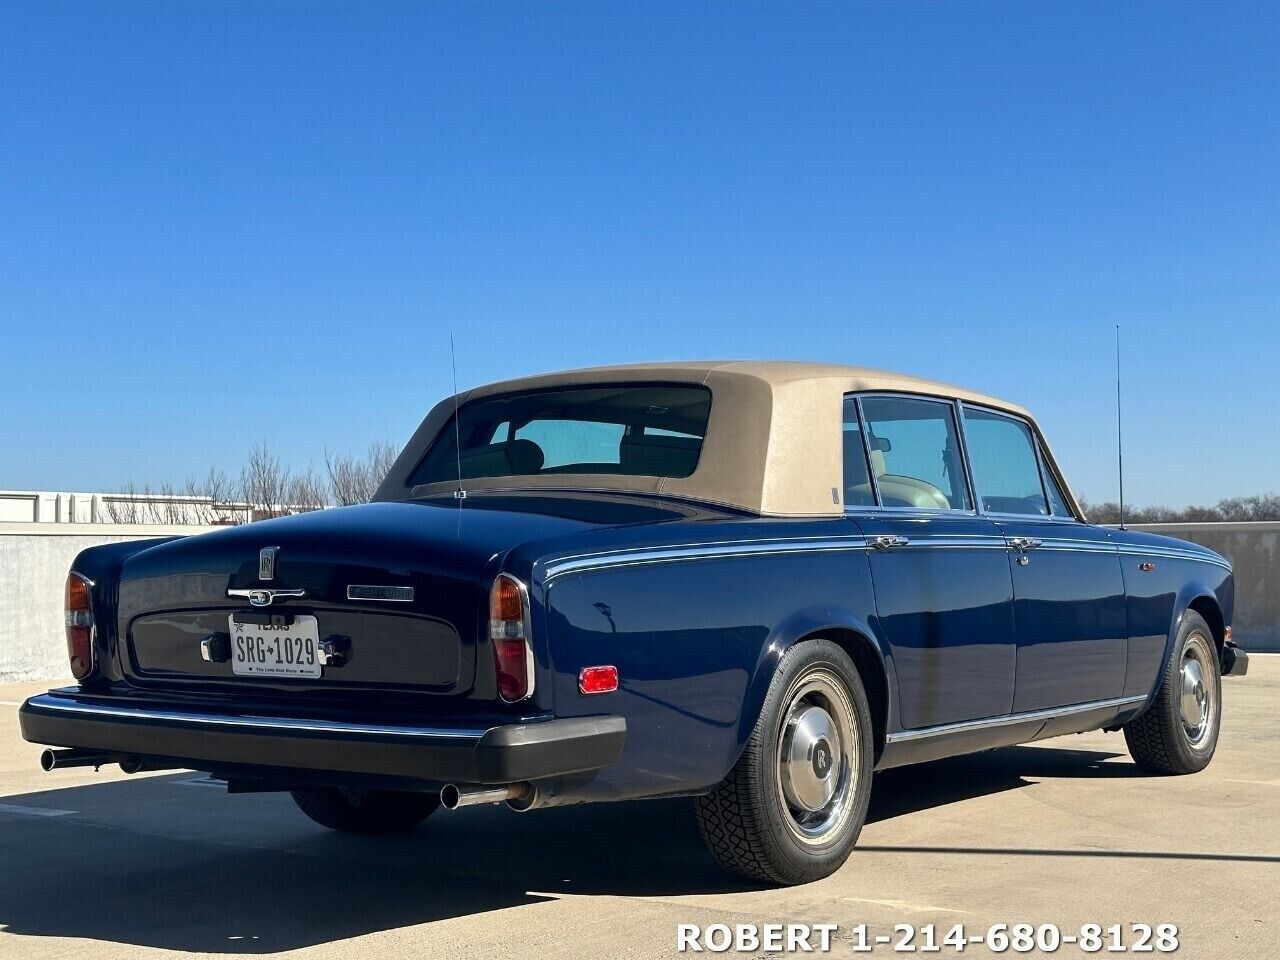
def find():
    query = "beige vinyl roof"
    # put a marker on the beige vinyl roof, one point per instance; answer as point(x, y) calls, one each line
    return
point(773, 443)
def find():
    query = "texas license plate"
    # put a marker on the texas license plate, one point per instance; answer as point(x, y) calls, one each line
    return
point(275, 650)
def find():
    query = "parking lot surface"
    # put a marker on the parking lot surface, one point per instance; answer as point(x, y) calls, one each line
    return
point(1069, 832)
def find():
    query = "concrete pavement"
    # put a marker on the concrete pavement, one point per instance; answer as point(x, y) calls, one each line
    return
point(99, 865)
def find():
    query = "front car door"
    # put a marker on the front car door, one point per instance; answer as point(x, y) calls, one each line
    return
point(940, 571)
point(1069, 594)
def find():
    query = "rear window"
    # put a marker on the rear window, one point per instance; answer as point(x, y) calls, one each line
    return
point(635, 430)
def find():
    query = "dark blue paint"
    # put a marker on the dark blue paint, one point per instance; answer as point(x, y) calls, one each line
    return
point(960, 632)
point(947, 612)
point(1070, 614)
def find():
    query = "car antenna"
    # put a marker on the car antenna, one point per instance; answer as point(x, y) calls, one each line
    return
point(1119, 431)
point(460, 494)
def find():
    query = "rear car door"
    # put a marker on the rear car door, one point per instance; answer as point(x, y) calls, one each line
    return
point(940, 572)
point(1069, 594)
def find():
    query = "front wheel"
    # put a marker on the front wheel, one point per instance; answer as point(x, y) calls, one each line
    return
point(791, 809)
point(366, 811)
point(1179, 732)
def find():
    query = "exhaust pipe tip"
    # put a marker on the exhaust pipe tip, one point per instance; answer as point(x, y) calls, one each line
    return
point(449, 796)
point(73, 757)
point(454, 797)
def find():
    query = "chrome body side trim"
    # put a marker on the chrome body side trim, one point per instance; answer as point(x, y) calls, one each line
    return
point(579, 563)
point(47, 702)
point(1173, 553)
point(699, 551)
point(1030, 716)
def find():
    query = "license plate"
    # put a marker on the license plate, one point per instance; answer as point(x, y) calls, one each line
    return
point(263, 650)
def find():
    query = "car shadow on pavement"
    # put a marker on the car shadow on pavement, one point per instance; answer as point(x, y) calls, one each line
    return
point(923, 786)
point(170, 862)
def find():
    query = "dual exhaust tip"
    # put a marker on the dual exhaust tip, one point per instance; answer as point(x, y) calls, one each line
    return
point(517, 796)
point(66, 759)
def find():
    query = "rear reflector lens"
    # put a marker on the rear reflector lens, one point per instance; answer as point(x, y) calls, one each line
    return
point(509, 634)
point(79, 625)
point(598, 679)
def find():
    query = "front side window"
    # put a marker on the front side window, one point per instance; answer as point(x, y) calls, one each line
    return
point(1006, 471)
point(915, 453)
point(633, 430)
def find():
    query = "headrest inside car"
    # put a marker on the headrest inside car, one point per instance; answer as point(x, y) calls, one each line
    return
point(526, 456)
point(658, 455)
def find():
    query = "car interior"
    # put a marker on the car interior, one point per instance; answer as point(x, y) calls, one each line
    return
point(639, 430)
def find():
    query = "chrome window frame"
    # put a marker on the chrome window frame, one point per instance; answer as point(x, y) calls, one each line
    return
point(963, 451)
point(866, 456)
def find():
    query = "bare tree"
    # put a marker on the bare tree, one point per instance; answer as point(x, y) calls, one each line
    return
point(264, 483)
point(127, 507)
point(306, 491)
point(352, 480)
point(214, 500)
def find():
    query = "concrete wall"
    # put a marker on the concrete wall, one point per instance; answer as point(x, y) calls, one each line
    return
point(34, 558)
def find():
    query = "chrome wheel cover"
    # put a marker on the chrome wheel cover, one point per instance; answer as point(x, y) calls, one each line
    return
point(1197, 697)
point(818, 757)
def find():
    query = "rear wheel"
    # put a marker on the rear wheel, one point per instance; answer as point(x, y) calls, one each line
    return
point(791, 808)
point(1179, 732)
point(366, 811)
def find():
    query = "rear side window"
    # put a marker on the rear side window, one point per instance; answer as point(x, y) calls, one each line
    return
point(858, 491)
point(1057, 501)
point(636, 430)
point(1006, 471)
point(915, 453)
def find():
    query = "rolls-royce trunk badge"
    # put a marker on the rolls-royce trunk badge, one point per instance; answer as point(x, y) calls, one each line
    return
point(267, 563)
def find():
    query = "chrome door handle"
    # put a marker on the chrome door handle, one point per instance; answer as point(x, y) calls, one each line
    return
point(1022, 544)
point(888, 542)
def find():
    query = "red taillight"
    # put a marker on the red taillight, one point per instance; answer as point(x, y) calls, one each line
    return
point(79, 620)
point(598, 679)
point(509, 633)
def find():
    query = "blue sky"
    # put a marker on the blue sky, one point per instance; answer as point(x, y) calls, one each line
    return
point(222, 223)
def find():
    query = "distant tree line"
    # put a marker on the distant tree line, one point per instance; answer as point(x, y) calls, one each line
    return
point(1233, 509)
point(264, 488)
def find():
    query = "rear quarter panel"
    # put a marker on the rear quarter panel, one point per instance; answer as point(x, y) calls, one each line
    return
point(1157, 599)
point(696, 642)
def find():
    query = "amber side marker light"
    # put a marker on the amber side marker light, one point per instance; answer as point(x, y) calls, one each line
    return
point(79, 624)
point(509, 633)
point(598, 679)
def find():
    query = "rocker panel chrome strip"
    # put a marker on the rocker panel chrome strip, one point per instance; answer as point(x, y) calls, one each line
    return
point(1030, 716)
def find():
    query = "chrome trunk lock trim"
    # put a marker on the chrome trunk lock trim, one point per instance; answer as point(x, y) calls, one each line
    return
point(264, 597)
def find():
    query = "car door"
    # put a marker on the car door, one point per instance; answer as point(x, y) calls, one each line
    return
point(1069, 595)
point(940, 572)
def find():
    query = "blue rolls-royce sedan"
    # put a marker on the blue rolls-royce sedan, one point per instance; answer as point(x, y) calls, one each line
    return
point(749, 583)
